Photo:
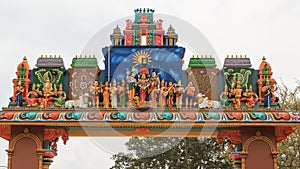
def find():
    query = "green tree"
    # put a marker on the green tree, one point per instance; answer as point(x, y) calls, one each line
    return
point(289, 149)
point(172, 153)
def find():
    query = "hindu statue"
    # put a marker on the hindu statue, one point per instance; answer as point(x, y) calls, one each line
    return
point(162, 97)
point(130, 78)
point(32, 96)
point(143, 87)
point(95, 90)
point(113, 94)
point(178, 94)
point(47, 93)
point(169, 93)
point(60, 100)
point(268, 93)
point(250, 97)
point(106, 95)
point(225, 98)
point(153, 88)
point(190, 91)
point(19, 93)
point(122, 93)
point(237, 93)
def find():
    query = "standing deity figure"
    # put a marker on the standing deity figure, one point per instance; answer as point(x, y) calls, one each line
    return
point(237, 93)
point(169, 93)
point(153, 88)
point(143, 87)
point(122, 93)
point(190, 91)
point(106, 94)
point(268, 93)
point(19, 93)
point(225, 97)
point(251, 97)
point(60, 100)
point(162, 97)
point(113, 94)
point(130, 78)
point(95, 90)
point(178, 93)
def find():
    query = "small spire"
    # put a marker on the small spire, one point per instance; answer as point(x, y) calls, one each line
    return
point(58, 56)
point(50, 56)
point(41, 56)
point(241, 56)
point(227, 56)
point(54, 56)
point(245, 56)
point(24, 59)
point(264, 59)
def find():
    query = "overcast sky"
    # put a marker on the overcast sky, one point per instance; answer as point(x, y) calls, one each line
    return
point(30, 28)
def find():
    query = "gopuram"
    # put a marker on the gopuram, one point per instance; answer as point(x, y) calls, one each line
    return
point(143, 91)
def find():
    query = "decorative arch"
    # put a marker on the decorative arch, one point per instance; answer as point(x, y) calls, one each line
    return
point(259, 137)
point(26, 134)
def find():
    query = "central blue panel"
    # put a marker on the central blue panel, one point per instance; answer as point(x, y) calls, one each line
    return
point(121, 59)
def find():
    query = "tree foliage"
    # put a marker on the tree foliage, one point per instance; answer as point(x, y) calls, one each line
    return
point(172, 153)
point(289, 149)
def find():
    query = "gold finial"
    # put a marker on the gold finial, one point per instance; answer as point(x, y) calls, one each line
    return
point(41, 56)
point(193, 56)
point(46, 56)
point(76, 56)
point(227, 56)
point(58, 56)
point(24, 59)
point(54, 56)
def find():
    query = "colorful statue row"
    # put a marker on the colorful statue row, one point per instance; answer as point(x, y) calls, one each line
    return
point(235, 95)
point(42, 99)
